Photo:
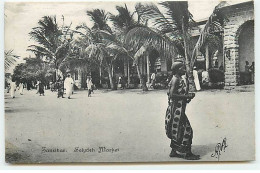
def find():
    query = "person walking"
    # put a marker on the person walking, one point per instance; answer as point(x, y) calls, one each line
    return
point(41, 88)
point(21, 86)
point(12, 88)
point(89, 85)
point(68, 84)
point(177, 125)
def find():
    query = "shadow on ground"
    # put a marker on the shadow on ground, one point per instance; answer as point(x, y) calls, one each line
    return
point(203, 150)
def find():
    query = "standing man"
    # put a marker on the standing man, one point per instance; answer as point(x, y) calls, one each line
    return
point(21, 86)
point(177, 125)
point(89, 85)
point(12, 88)
point(41, 88)
point(68, 84)
point(153, 79)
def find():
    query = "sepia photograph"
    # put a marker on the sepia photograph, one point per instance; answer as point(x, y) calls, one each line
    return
point(129, 82)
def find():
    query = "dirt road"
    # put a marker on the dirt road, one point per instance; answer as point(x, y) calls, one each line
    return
point(123, 126)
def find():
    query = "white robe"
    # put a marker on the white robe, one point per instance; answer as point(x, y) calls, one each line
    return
point(12, 90)
point(21, 88)
point(205, 77)
point(196, 80)
point(89, 84)
point(68, 85)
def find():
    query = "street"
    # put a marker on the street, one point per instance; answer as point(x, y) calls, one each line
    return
point(124, 126)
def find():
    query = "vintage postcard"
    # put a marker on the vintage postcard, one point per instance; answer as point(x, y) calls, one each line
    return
point(134, 81)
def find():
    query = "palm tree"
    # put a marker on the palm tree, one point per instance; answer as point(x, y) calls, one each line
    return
point(172, 26)
point(10, 59)
point(123, 22)
point(102, 47)
point(51, 41)
point(141, 40)
point(101, 43)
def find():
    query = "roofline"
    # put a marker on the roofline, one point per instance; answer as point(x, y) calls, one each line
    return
point(248, 3)
point(230, 8)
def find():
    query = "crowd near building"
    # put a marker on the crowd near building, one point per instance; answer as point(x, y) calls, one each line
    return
point(237, 42)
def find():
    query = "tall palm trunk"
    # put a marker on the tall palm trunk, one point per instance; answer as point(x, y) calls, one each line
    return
point(187, 58)
point(56, 73)
point(128, 72)
point(141, 78)
point(110, 75)
point(100, 75)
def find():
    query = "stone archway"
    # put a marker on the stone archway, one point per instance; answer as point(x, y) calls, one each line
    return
point(245, 36)
point(233, 26)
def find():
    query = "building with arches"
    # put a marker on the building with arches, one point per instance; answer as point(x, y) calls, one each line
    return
point(237, 48)
point(237, 44)
point(238, 41)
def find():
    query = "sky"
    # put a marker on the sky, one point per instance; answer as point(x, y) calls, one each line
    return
point(21, 17)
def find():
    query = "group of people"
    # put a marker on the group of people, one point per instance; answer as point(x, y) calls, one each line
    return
point(12, 87)
point(63, 87)
point(177, 125)
point(66, 85)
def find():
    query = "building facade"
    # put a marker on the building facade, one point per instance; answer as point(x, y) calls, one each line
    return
point(238, 41)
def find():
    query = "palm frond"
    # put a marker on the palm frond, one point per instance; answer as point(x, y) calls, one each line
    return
point(40, 50)
point(100, 18)
point(214, 22)
point(178, 12)
point(152, 13)
point(142, 37)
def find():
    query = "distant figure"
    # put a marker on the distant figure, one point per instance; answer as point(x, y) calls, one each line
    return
point(205, 78)
point(12, 88)
point(153, 79)
point(28, 86)
point(119, 84)
point(89, 85)
point(123, 82)
point(68, 84)
point(247, 67)
point(252, 72)
point(221, 67)
point(216, 63)
point(41, 88)
point(37, 86)
point(21, 86)
point(8, 87)
point(196, 79)
point(52, 86)
point(60, 87)
point(247, 79)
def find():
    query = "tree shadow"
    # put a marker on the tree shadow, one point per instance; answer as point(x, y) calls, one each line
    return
point(9, 110)
point(14, 110)
point(203, 150)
